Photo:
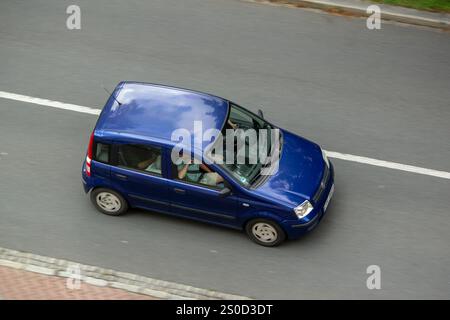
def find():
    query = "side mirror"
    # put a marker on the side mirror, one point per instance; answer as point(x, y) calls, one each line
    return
point(224, 192)
point(260, 113)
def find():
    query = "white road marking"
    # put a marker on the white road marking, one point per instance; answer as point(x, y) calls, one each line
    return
point(331, 154)
point(49, 103)
point(388, 164)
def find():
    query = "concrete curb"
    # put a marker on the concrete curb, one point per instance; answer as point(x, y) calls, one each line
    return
point(106, 277)
point(388, 12)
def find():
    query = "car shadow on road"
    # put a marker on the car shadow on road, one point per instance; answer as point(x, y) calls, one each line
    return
point(201, 229)
point(178, 221)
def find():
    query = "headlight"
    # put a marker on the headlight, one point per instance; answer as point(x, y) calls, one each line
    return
point(325, 158)
point(304, 209)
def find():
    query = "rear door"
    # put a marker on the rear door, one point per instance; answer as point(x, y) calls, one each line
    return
point(139, 175)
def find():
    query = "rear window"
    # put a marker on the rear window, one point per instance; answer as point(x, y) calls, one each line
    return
point(139, 157)
point(102, 151)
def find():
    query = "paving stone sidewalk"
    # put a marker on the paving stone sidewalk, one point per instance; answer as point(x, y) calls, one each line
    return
point(61, 270)
point(25, 285)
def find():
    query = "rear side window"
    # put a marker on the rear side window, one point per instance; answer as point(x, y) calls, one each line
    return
point(139, 157)
point(102, 152)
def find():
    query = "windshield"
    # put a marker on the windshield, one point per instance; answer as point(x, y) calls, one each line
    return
point(246, 141)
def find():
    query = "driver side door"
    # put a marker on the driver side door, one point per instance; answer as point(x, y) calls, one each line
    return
point(202, 202)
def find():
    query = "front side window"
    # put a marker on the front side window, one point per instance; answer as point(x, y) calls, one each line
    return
point(139, 157)
point(190, 172)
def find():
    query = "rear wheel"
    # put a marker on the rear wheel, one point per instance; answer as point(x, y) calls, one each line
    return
point(265, 232)
point(109, 202)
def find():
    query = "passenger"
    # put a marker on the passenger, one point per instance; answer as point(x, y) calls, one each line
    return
point(153, 164)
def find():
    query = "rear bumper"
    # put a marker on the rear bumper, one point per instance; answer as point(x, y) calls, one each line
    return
point(296, 228)
point(85, 180)
point(86, 187)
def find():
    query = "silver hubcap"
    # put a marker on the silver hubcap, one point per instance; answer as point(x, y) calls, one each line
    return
point(264, 232)
point(108, 202)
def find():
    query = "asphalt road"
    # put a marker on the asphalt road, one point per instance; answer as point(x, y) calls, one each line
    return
point(382, 94)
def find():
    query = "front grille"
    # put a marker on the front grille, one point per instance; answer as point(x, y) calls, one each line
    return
point(323, 184)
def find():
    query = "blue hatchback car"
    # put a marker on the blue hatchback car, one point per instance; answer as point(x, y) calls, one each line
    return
point(129, 163)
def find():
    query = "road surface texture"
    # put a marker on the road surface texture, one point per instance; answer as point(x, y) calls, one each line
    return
point(376, 93)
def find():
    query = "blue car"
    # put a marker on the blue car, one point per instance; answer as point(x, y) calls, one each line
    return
point(130, 164)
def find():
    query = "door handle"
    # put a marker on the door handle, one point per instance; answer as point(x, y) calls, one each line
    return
point(121, 176)
point(179, 191)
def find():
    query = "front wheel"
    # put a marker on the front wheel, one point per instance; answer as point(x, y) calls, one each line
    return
point(108, 202)
point(265, 232)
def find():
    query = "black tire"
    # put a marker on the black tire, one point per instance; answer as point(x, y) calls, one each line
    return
point(118, 204)
point(271, 229)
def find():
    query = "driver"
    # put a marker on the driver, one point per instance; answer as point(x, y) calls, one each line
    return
point(197, 173)
point(232, 125)
point(152, 164)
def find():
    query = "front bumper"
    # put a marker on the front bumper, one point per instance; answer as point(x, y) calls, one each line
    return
point(296, 228)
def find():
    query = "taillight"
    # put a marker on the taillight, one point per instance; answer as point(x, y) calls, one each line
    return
point(89, 155)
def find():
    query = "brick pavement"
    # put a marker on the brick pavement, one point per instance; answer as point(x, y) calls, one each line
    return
point(24, 285)
point(94, 277)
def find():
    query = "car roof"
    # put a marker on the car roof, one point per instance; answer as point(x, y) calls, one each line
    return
point(152, 112)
